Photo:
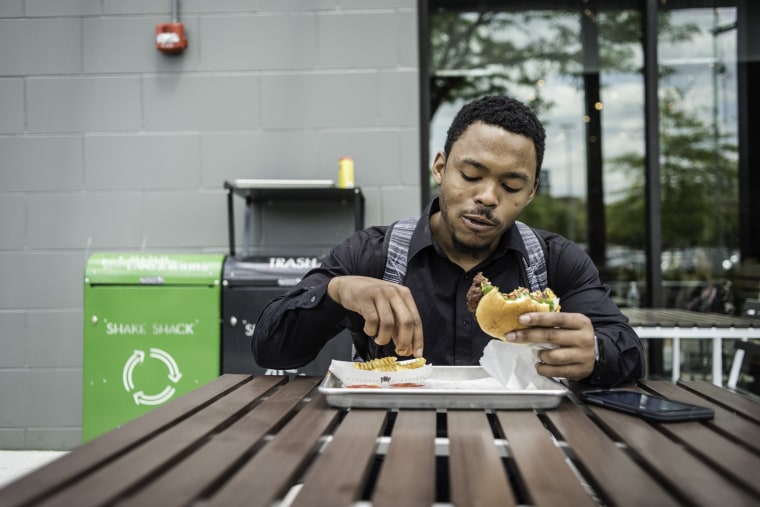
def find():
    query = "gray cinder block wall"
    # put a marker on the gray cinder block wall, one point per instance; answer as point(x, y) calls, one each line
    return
point(108, 145)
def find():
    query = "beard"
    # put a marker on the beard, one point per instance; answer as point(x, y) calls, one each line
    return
point(474, 250)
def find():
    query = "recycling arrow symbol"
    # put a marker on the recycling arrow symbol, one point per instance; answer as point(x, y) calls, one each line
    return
point(138, 357)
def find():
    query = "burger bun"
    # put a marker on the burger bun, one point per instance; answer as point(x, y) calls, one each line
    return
point(498, 316)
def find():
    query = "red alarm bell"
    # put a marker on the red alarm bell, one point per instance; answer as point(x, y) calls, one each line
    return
point(170, 37)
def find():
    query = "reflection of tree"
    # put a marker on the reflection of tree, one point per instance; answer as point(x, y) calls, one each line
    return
point(471, 57)
point(514, 53)
point(689, 182)
point(546, 212)
point(490, 52)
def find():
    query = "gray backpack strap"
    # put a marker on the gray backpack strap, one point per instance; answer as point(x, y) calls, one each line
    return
point(535, 265)
point(397, 240)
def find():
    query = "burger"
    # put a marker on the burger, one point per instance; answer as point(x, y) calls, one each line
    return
point(497, 313)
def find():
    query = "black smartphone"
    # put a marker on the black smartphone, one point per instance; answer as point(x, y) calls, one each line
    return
point(647, 406)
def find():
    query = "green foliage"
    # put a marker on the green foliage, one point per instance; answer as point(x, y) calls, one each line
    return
point(563, 216)
point(698, 180)
point(485, 51)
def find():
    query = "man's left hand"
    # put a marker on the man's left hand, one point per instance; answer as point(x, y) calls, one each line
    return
point(572, 333)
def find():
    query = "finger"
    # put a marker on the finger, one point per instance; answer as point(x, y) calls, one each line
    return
point(560, 356)
point(412, 347)
point(555, 336)
point(388, 310)
point(569, 362)
point(564, 356)
point(408, 333)
point(396, 319)
point(571, 329)
point(371, 321)
point(418, 341)
point(385, 327)
point(378, 321)
point(552, 319)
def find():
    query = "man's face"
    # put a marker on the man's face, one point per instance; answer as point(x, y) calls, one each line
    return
point(485, 182)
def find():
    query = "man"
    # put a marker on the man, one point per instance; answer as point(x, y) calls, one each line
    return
point(488, 173)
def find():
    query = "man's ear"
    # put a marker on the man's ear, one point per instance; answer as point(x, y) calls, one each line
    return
point(439, 164)
point(533, 192)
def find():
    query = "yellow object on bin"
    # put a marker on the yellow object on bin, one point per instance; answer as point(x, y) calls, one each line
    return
point(345, 172)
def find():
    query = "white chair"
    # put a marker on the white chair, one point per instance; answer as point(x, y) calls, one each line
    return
point(743, 348)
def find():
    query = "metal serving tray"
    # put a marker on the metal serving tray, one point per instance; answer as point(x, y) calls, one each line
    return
point(450, 387)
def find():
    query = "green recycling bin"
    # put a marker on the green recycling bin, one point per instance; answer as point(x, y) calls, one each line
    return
point(151, 333)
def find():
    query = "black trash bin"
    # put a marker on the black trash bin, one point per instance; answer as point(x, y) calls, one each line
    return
point(247, 286)
point(289, 226)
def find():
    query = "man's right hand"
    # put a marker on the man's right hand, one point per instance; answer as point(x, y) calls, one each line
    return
point(388, 310)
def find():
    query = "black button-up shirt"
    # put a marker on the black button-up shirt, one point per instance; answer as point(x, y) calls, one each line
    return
point(294, 327)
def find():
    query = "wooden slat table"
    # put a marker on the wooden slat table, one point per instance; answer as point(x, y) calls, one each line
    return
point(272, 440)
point(660, 323)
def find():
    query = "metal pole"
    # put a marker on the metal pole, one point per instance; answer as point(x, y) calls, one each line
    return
point(596, 220)
point(652, 164)
point(566, 129)
point(231, 221)
point(423, 27)
point(652, 205)
point(718, 70)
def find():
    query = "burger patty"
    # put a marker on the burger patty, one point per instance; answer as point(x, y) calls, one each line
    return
point(475, 292)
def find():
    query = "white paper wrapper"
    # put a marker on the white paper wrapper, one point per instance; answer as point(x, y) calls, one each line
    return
point(351, 375)
point(513, 364)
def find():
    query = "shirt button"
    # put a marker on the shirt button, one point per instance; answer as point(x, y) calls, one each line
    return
point(313, 298)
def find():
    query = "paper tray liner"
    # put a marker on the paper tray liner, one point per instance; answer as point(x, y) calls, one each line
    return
point(349, 375)
point(446, 387)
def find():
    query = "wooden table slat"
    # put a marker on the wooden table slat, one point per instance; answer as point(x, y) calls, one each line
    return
point(267, 476)
point(733, 401)
point(476, 473)
point(684, 472)
point(653, 317)
point(407, 476)
point(339, 474)
point(616, 476)
point(541, 464)
point(253, 442)
point(724, 454)
point(108, 446)
point(98, 487)
point(212, 461)
point(728, 422)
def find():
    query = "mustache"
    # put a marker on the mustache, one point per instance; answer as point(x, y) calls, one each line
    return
point(483, 212)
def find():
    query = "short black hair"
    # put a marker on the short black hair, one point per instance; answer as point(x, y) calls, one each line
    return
point(505, 112)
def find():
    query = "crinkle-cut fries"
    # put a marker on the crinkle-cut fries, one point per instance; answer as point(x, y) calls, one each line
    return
point(390, 364)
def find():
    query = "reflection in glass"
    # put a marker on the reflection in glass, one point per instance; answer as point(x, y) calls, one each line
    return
point(581, 70)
